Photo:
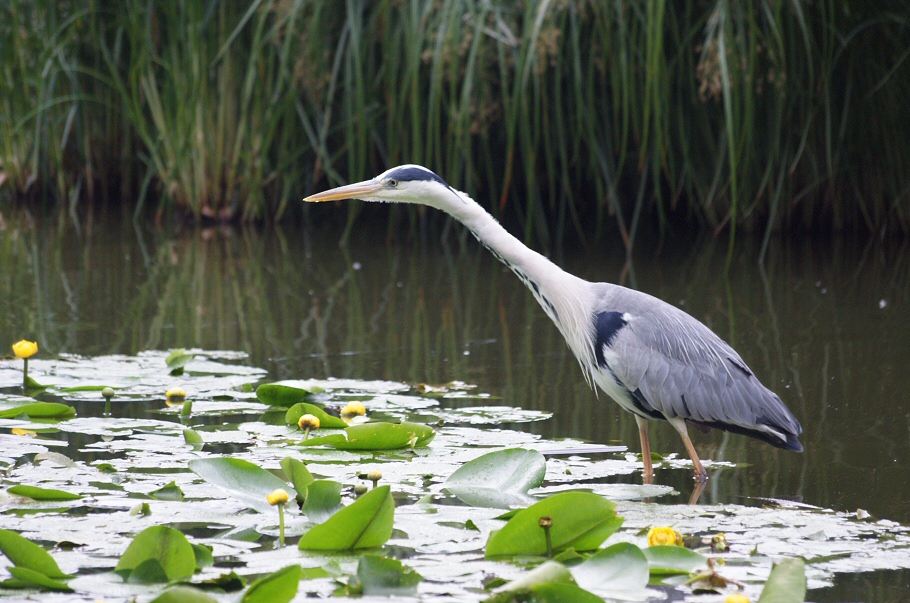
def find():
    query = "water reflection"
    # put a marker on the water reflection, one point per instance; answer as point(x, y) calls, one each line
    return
point(823, 323)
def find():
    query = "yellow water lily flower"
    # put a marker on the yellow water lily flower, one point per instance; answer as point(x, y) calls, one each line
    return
point(25, 349)
point(354, 408)
point(22, 432)
point(664, 537)
point(307, 422)
point(278, 497)
point(737, 598)
point(175, 395)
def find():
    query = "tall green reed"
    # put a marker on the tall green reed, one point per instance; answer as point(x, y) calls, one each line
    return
point(569, 116)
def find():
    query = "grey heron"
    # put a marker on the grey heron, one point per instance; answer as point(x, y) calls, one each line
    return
point(650, 357)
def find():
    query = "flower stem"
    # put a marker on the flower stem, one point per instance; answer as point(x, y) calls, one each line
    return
point(281, 524)
point(25, 374)
point(306, 434)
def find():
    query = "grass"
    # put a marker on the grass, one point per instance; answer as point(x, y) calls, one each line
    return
point(569, 116)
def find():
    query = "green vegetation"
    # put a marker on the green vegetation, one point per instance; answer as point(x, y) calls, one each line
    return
point(563, 114)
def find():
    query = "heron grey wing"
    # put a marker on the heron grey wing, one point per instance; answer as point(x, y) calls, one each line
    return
point(681, 368)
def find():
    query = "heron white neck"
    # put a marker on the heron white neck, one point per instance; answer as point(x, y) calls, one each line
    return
point(564, 297)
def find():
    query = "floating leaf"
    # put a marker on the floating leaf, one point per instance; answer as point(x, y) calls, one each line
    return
point(377, 436)
point(193, 438)
point(183, 594)
point(276, 394)
point(177, 360)
point(668, 560)
point(549, 572)
point(30, 577)
point(204, 556)
point(54, 457)
point(786, 584)
point(241, 479)
point(499, 479)
point(322, 501)
point(22, 552)
point(39, 410)
point(365, 523)
point(36, 493)
point(381, 576)
point(278, 587)
point(169, 492)
point(326, 421)
point(621, 568)
point(298, 475)
point(580, 520)
point(160, 545)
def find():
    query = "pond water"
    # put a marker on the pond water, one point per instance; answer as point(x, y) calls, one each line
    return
point(824, 323)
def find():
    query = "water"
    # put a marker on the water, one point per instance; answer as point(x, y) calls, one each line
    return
point(823, 323)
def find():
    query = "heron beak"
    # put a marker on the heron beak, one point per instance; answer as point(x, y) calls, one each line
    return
point(359, 190)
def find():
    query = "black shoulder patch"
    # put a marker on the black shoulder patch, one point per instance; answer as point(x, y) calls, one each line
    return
point(606, 325)
point(409, 174)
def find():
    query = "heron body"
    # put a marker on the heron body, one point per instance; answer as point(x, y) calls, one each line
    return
point(651, 358)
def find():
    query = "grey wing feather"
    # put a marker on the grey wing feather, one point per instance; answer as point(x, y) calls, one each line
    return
point(684, 370)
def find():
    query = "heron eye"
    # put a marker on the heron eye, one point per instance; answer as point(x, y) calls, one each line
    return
point(393, 183)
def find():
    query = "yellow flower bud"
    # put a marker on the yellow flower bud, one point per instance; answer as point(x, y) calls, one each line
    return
point(737, 598)
point(375, 475)
point(278, 497)
point(354, 408)
point(664, 537)
point(308, 422)
point(25, 349)
point(175, 395)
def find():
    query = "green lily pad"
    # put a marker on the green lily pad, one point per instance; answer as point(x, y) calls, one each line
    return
point(24, 553)
point(161, 546)
point(322, 501)
point(377, 436)
point(298, 475)
point(31, 578)
point(277, 587)
point(242, 479)
point(365, 523)
point(384, 577)
point(169, 492)
point(177, 360)
point(549, 572)
point(669, 560)
point(39, 410)
point(276, 394)
point(621, 568)
point(183, 594)
point(580, 520)
point(499, 479)
point(36, 493)
point(786, 584)
point(326, 421)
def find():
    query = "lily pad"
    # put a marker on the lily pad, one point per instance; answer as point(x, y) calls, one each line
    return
point(384, 577)
point(24, 553)
point(621, 568)
point(580, 520)
point(322, 501)
point(39, 410)
point(36, 493)
point(276, 394)
point(277, 587)
point(326, 421)
point(786, 584)
point(377, 436)
point(183, 594)
point(365, 523)
point(159, 546)
point(549, 582)
point(669, 560)
point(241, 479)
point(177, 360)
point(31, 578)
point(499, 479)
point(298, 475)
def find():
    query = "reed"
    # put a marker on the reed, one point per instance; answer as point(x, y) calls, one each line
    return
point(569, 116)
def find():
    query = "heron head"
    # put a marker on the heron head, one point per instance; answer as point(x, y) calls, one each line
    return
point(402, 184)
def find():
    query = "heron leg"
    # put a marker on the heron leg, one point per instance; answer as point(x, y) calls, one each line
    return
point(648, 473)
point(680, 425)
